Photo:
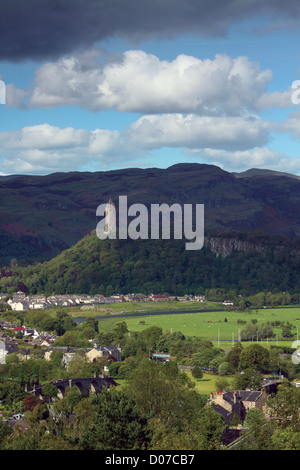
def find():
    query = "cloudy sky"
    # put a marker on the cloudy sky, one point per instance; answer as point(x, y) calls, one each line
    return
point(104, 84)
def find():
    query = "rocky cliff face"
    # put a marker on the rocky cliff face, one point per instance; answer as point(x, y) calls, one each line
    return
point(224, 247)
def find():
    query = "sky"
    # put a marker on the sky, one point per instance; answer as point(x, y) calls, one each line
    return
point(97, 85)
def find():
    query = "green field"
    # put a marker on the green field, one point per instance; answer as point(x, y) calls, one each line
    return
point(203, 386)
point(119, 308)
point(210, 325)
point(207, 383)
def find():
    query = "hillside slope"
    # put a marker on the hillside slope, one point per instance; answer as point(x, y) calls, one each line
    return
point(247, 264)
point(43, 215)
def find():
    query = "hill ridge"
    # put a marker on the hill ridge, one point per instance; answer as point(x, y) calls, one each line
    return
point(42, 215)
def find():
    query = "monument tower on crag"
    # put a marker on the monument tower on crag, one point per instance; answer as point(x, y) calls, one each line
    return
point(110, 216)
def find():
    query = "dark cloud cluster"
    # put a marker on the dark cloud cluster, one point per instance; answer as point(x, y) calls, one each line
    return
point(43, 29)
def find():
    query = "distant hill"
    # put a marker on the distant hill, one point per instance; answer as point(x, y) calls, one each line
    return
point(44, 215)
point(263, 172)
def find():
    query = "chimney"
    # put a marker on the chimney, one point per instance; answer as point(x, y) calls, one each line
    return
point(234, 397)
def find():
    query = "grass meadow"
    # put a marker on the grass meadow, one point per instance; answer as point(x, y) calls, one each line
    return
point(204, 386)
point(207, 325)
point(221, 327)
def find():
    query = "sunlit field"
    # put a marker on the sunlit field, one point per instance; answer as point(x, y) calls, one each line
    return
point(220, 327)
point(203, 386)
point(207, 383)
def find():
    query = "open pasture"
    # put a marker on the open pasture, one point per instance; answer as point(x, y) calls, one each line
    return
point(211, 325)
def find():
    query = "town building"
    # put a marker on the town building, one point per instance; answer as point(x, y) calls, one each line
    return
point(237, 403)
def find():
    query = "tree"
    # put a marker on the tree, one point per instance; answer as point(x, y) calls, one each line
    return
point(40, 412)
point(257, 300)
point(22, 288)
point(80, 366)
point(56, 359)
point(49, 391)
point(150, 337)
point(248, 378)
point(249, 332)
point(124, 369)
point(30, 402)
point(83, 414)
point(285, 405)
point(54, 442)
point(222, 384)
point(120, 330)
point(113, 368)
point(274, 360)
point(92, 322)
point(224, 368)
point(87, 332)
point(60, 420)
point(69, 339)
point(168, 439)
point(11, 392)
point(233, 356)
point(164, 392)
point(5, 432)
point(253, 332)
point(62, 323)
point(286, 439)
point(265, 331)
point(197, 372)
point(254, 357)
point(204, 355)
point(115, 424)
point(259, 432)
point(210, 429)
point(73, 397)
point(287, 330)
point(19, 440)
point(170, 341)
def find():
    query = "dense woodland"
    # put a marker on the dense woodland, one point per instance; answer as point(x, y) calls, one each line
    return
point(160, 266)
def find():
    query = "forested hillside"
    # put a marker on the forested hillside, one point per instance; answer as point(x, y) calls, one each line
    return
point(96, 266)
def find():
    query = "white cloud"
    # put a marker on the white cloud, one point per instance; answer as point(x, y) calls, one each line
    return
point(276, 99)
point(46, 148)
point(291, 125)
point(192, 131)
point(43, 136)
point(70, 81)
point(140, 82)
point(259, 157)
point(15, 96)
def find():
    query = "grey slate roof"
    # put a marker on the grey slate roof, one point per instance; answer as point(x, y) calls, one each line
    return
point(223, 412)
point(243, 395)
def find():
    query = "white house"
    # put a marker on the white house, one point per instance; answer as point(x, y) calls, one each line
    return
point(227, 302)
point(31, 332)
point(19, 306)
point(37, 305)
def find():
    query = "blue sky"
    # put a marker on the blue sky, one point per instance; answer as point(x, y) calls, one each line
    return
point(213, 88)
